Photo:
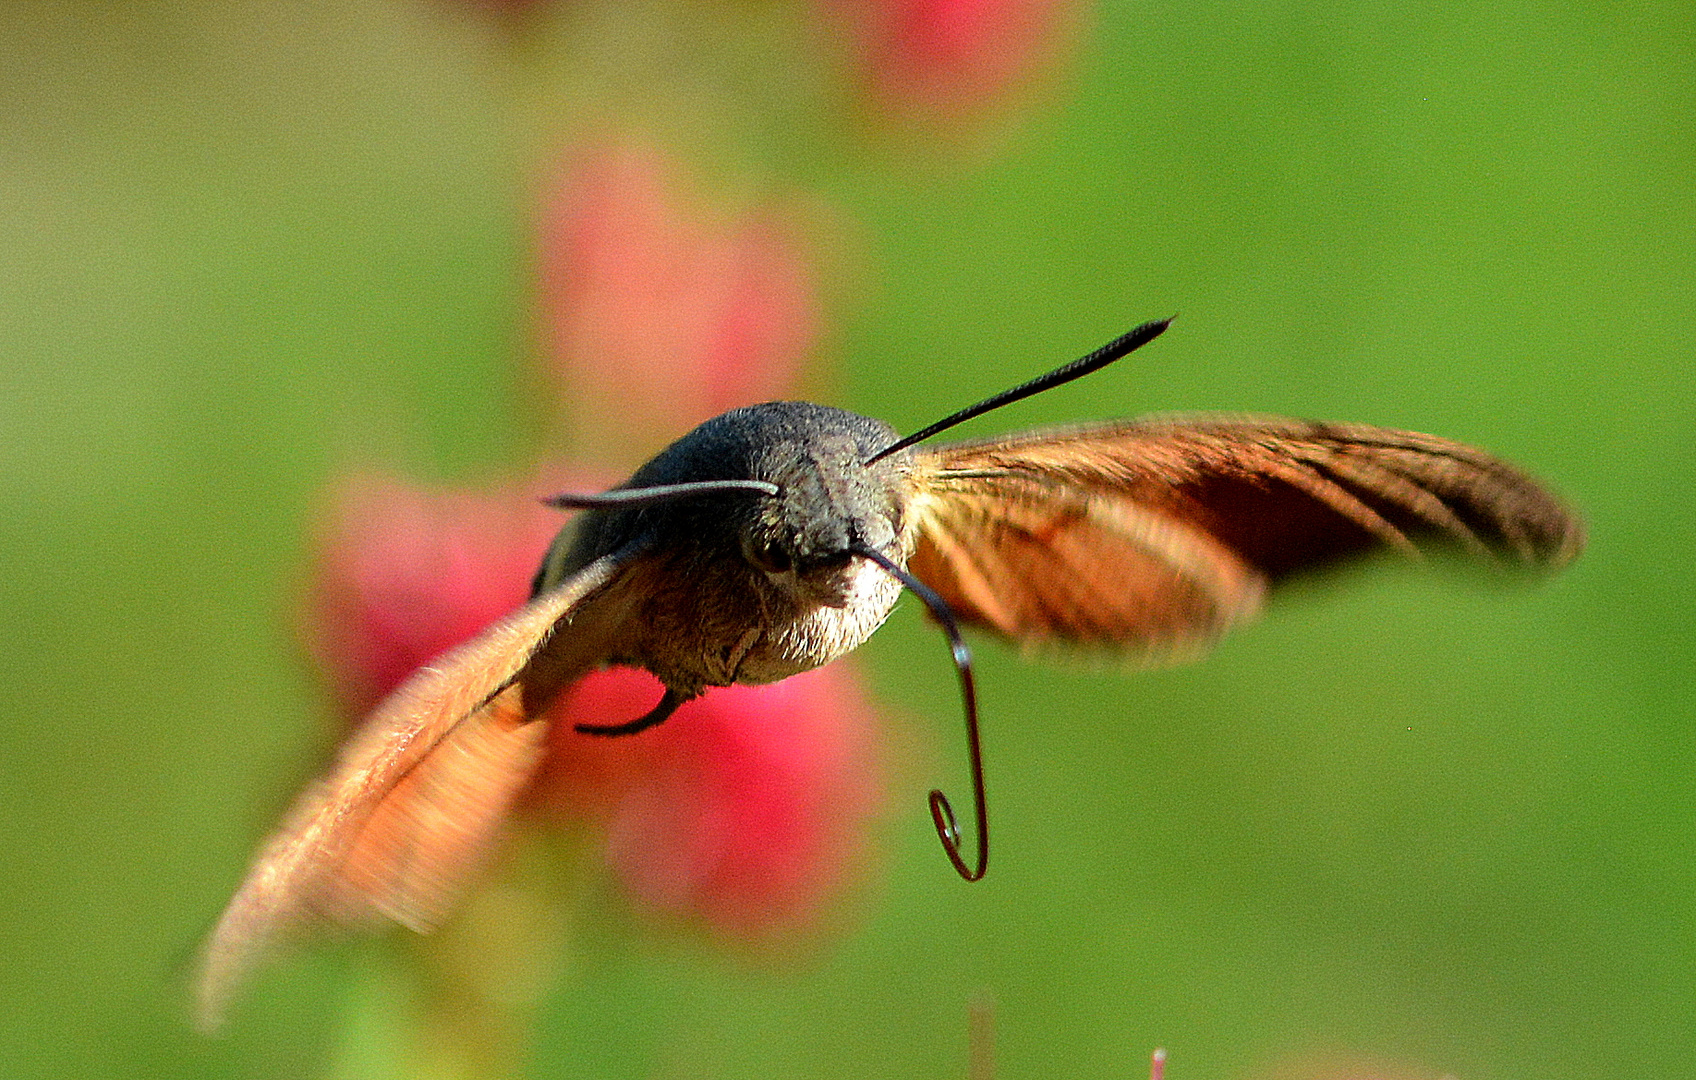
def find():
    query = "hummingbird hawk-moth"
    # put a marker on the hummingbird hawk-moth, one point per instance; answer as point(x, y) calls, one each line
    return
point(777, 537)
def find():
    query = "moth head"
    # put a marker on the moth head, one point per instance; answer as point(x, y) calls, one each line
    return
point(787, 486)
point(829, 505)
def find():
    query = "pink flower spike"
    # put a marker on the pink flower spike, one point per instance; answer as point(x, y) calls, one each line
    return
point(748, 809)
point(659, 315)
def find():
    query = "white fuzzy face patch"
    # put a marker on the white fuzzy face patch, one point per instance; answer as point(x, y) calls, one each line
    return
point(838, 613)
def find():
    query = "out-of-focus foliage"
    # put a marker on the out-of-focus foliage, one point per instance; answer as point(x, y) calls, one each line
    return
point(1416, 822)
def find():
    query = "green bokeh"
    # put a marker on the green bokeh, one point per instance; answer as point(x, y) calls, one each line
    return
point(1412, 817)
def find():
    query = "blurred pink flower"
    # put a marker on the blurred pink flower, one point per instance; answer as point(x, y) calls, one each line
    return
point(749, 808)
point(405, 574)
point(947, 57)
point(659, 312)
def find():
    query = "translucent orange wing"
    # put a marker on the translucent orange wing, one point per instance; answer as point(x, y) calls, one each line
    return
point(404, 816)
point(1152, 536)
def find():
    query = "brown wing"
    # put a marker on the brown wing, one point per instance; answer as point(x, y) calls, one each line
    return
point(402, 818)
point(1151, 535)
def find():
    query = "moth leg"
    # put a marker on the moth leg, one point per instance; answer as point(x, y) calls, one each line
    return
point(658, 714)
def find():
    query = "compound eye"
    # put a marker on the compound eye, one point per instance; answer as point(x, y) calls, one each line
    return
point(835, 560)
point(771, 557)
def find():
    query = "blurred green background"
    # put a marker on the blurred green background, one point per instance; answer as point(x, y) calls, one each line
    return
point(1412, 819)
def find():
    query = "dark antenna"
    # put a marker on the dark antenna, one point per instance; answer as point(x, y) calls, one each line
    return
point(1119, 347)
point(941, 811)
point(658, 493)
